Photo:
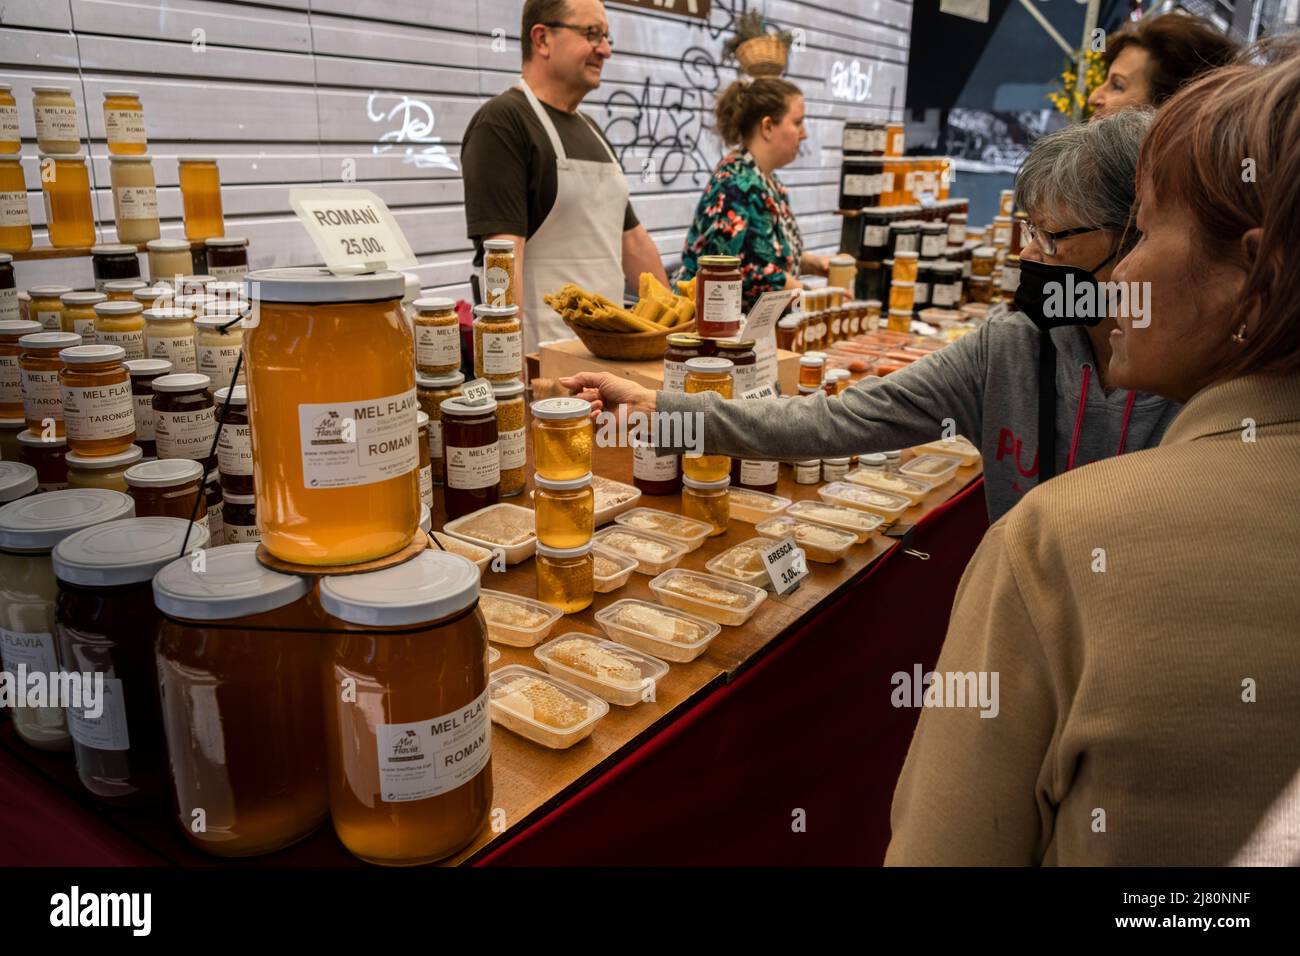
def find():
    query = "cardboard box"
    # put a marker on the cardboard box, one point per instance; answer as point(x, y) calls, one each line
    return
point(561, 359)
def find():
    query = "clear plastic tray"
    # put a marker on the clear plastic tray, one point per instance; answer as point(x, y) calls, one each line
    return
point(608, 495)
point(745, 598)
point(935, 469)
point(731, 563)
point(516, 551)
point(520, 634)
point(480, 556)
point(612, 582)
point(890, 507)
point(861, 524)
point(900, 486)
point(755, 506)
point(622, 540)
point(505, 713)
point(494, 655)
point(665, 524)
point(957, 447)
point(820, 543)
point(650, 632)
point(624, 692)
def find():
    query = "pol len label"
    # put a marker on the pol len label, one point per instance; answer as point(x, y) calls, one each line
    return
point(346, 444)
point(432, 757)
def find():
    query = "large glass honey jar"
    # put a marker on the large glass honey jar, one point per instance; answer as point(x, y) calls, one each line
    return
point(332, 404)
point(407, 730)
point(239, 669)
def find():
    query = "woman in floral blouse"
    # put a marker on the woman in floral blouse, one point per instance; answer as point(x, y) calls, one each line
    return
point(745, 210)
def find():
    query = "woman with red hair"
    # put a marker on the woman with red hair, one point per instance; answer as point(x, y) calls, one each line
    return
point(1140, 612)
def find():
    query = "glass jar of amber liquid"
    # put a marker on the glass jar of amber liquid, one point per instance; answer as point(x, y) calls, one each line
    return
point(433, 391)
point(98, 413)
point(563, 436)
point(121, 323)
point(58, 129)
point(106, 624)
point(11, 140)
point(707, 375)
point(565, 577)
point(185, 421)
point(426, 459)
point(201, 198)
point(45, 453)
point(168, 488)
point(499, 272)
point(124, 123)
point(565, 511)
point(15, 220)
point(239, 671)
point(409, 748)
point(70, 218)
point(123, 290)
point(498, 343)
point(473, 459)
point(512, 437)
point(11, 376)
point(902, 296)
point(307, 392)
point(811, 371)
point(227, 257)
point(105, 471)
point(980, 289)
point(900, 320)
point(718, 304)
point(79, 314)
point(41, 364)
point(46, 306)
point(708, 501)
point(235, 441)
point(437, 336)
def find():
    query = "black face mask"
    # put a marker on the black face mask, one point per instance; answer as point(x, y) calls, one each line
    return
point(1062, 291)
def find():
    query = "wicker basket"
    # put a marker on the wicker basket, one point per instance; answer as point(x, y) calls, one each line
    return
point(763, 56)
point(628, 346)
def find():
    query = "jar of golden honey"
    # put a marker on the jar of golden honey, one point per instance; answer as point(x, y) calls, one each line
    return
point(124, 123)
point(707, 374)
point(169, 260)
point(103, 471)
point(407, 733)
point(40, 364)
point(98, 413)
point(437, 336)
point(69, 215)
point(58, 127)
point(169, 335)
point(135, 198)
point(900, 320)
point(240, 674)
point(906, 264)
point(708, 501)
point(11, 376)
point(902, 296)
point(472, 455)
point(565, 511)
point(336, 466)
point(15, 220)
point(812, 368)
point(498, 343)
point(168, 488)
point(121, 323)
point(433, 390)
point(79, 314)
point(201, 198)
point(46, 306)
point(11, 139)
point(565, 577)
point(512, 437)
point(563, 436)
point(106, 623)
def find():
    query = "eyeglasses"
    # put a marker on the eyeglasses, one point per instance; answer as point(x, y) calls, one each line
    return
point(1047, 240)
point(594, 33)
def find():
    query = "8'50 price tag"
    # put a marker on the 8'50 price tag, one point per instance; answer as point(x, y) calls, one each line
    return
point(786, 564)
point(476, 392)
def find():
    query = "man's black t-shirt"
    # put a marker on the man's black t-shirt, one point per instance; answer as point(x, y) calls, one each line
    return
point(509, 166)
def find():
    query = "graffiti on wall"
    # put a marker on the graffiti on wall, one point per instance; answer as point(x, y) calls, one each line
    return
point(412, 123)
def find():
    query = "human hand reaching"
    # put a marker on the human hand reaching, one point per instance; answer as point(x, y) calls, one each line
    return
point(610, 392)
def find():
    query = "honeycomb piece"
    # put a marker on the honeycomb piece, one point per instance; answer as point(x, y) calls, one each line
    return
point(703, 591)
point(595, 660)
point(510, 614)
point(744, 559)
point(500, 526)
point(610, 493)
point(748, 499)
point(640, 548)
point(541, 701)
point(665, 627)
point(605, 568)
point(663, 524)
point(834, 515)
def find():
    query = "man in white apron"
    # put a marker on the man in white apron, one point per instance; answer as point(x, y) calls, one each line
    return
point(541, 174)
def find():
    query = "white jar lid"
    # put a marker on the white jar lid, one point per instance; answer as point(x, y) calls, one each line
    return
point(49, 341)
point(104, 462)
point(92, 354)
point(108, 93)
point(496, 311)
point(421, 419)
point(124, 552)
point(38, 523)
point(167, 245)
point(112, 249)
point(431, 586)
point(16, 480)
point(82, 298)
point(37, 440)
point(163, 472)
point(311, 284)
point(499, 245)
point(168, 314)
point(156, 367)
point(562, 553)
point(711, 364)
point(715, 485)
point(19, 327)
point(450, 380)
point(458, 406)
point(226, 242)
point(75, 156)
point(52, 89)
point(196, 159)
point(836, 462)
point(181, 382)
point(117, 307)
point(874, 460)
point(130, 158)
point(49, 291)
point(232, 584)
point(561, 409)
point(237, 395)
point(809, 359)
point(508, 389)
point(215, 318)
point(433, 305)
point(426, 519)
point(154, 293)
point(565, 484)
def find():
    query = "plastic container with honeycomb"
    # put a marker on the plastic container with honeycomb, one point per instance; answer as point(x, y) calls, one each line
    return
point(935, 470)
point(547, 711)
point(613, 498)
point(611, 569)
point(516, 621)
point(890, 483)
point(820, 543)
point(756, 506)
point(709, 596)
point(668, 634)
point(480, 556)
point(609, 670)
point(665, 524)
point(861, 524)
point(744, 563)
point(507, 527)
point(653, 554)
point(890, 507)
point(955, 447)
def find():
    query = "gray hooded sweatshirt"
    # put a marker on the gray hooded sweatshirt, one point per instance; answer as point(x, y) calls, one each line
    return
point(984, 386)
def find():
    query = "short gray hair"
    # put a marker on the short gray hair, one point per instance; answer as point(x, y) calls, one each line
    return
point(1086, 171)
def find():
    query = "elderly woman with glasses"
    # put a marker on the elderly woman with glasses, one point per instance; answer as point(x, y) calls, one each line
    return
point(1024, 381)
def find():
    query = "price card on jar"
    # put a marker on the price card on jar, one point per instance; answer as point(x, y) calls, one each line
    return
point(476, 392)
point(786, 565)
point(760, 325)
point(353, 230)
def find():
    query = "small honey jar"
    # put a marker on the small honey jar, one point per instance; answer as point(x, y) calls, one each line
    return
point(563, 436)
point(565, 577)
point(708, 501)
point(565, 511)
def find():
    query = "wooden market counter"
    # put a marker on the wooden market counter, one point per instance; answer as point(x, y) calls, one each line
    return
point(670, 780)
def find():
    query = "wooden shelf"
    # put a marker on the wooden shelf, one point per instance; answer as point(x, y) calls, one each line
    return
point(41, 253)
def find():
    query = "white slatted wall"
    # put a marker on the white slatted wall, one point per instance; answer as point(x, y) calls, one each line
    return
point(301, 92)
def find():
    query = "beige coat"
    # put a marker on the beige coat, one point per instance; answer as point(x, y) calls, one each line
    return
point(1143, 615)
